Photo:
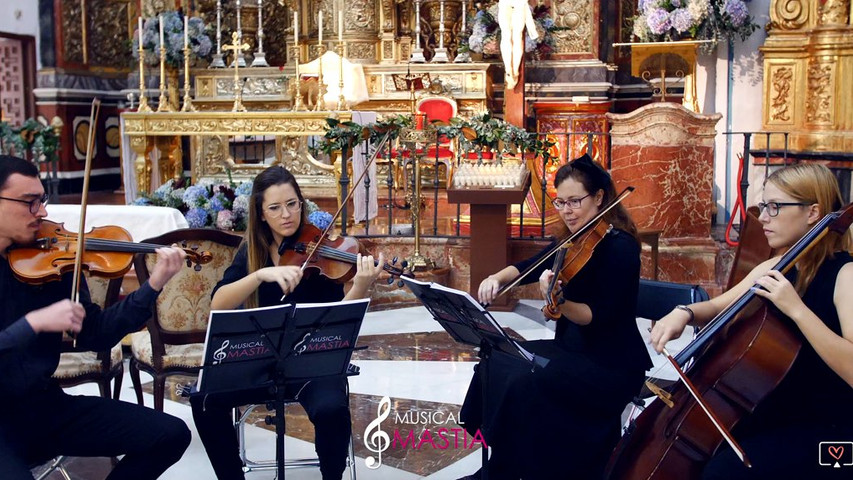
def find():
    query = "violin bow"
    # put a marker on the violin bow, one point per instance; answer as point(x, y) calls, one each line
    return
point(81, 235)
point(325, 232)
point(584, 229)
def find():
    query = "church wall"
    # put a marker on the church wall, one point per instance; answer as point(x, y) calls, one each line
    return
point(21, 18)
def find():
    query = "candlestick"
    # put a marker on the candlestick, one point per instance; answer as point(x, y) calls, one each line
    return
point(342, 100)
point(163, 101)
point(143, 100)
point(188, 103)
point(260, 57)
point(239, 56)
point(320, 29)
point(217, 61)
point(463, 57)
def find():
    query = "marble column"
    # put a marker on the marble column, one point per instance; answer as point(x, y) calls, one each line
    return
point(667, 153)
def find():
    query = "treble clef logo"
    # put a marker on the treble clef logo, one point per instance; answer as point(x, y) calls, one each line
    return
point(219, 355)
point(377, 441)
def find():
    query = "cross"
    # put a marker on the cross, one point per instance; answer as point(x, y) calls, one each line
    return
point(238, 89)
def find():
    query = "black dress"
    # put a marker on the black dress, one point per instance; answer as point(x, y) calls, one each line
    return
point(325, 401)
point(562, 421)
point(811, 405)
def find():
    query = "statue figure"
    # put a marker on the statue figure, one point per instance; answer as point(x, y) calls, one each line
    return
point(513, 16)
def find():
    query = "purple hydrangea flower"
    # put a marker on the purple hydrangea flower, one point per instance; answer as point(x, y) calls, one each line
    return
point(681, 20)
point(241, 205)
point(659, 21)
point(737, 11)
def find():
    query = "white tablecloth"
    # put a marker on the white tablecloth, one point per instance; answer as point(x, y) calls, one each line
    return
point(141, 221)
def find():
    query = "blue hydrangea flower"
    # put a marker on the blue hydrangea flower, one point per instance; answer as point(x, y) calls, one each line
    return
point(196, 217)
point(195, 196)
point(141, 201)
point(658, 20)
point(217, 203)
point(244, 188)
point(320, 219)
point(241, 205)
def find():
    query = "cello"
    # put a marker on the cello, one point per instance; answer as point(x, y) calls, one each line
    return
point(736, 362)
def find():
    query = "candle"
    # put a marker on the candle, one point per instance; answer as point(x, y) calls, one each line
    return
point(186, 32)
point(160, 18)
point(382, 18)
point(295, 28)
point(340, 26)
point(320, 29)
point(140, 31)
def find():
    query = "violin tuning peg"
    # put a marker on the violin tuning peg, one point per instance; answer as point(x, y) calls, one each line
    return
point(189, 263)
point(400, 283)
point(197, 267)
point(405, 264)
point(390, 280)
point(394, 261)
point(184, 243)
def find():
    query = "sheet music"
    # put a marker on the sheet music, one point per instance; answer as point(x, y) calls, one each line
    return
point(460, 308)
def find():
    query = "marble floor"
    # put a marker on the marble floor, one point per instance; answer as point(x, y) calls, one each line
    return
point(410, 360)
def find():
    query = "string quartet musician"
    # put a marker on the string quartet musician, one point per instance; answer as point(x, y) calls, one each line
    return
point(562, 421)
point(255, 279)
point(812, 403)
point(38, 420)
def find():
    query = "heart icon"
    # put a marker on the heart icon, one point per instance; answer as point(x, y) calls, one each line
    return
point(836, 451)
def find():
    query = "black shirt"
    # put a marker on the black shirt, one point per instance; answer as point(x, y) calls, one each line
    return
point(27, 359)
point(608, 283)
point(313, 288)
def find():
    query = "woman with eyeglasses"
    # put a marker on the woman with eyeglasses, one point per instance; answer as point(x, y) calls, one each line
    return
point(563, 420)
point(816, 297)
point(255, 279)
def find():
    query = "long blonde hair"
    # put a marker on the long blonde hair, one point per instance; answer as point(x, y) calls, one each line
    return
point(813, 183)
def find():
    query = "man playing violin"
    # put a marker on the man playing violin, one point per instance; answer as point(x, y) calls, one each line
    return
point(563, 420)
point(812, 403)
point(255, 279)
point(38, 420)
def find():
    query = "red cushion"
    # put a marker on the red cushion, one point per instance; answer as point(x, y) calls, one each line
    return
point(437, 109)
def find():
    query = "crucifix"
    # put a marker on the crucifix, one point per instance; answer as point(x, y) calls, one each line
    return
point(238, 86)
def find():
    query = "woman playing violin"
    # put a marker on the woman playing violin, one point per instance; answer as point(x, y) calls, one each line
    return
point(812, 403)
point(255, 279)
point(563, 420)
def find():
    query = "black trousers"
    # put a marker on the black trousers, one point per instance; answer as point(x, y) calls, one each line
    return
point(51, 423)
point(327, 406)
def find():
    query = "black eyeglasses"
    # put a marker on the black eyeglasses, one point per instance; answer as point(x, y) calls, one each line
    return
point(773, 207)
point(35, 204)
point(573, 203)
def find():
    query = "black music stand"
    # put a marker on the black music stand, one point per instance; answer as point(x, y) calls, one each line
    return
point(466, 321)
point(274, 347)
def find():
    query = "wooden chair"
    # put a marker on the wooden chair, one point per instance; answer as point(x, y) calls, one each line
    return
point(174, 341)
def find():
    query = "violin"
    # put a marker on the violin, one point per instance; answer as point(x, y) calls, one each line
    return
point(568, 261)
point(333, 258)
point(673, 438)
point(108, 253)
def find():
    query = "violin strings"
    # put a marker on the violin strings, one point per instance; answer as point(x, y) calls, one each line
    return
point(117, 245)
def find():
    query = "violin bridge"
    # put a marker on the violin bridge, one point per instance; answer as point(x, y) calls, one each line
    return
point(664, 396)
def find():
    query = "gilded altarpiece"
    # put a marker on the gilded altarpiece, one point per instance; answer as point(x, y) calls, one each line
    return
point(806, 90)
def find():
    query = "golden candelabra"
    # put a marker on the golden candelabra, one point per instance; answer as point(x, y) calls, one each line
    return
point(296, 87)
point(143, 99)
point(188, 103)
point(342, 100)
point(163, 103)
point(412, 138)
point(320, 106)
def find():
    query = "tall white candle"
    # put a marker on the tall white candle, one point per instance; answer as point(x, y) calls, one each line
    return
point(140, 31)
point(161, 31)
point(320, 28)
point(186, 32)
point(295, 28)
point(340, 26)
point(381, 19)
